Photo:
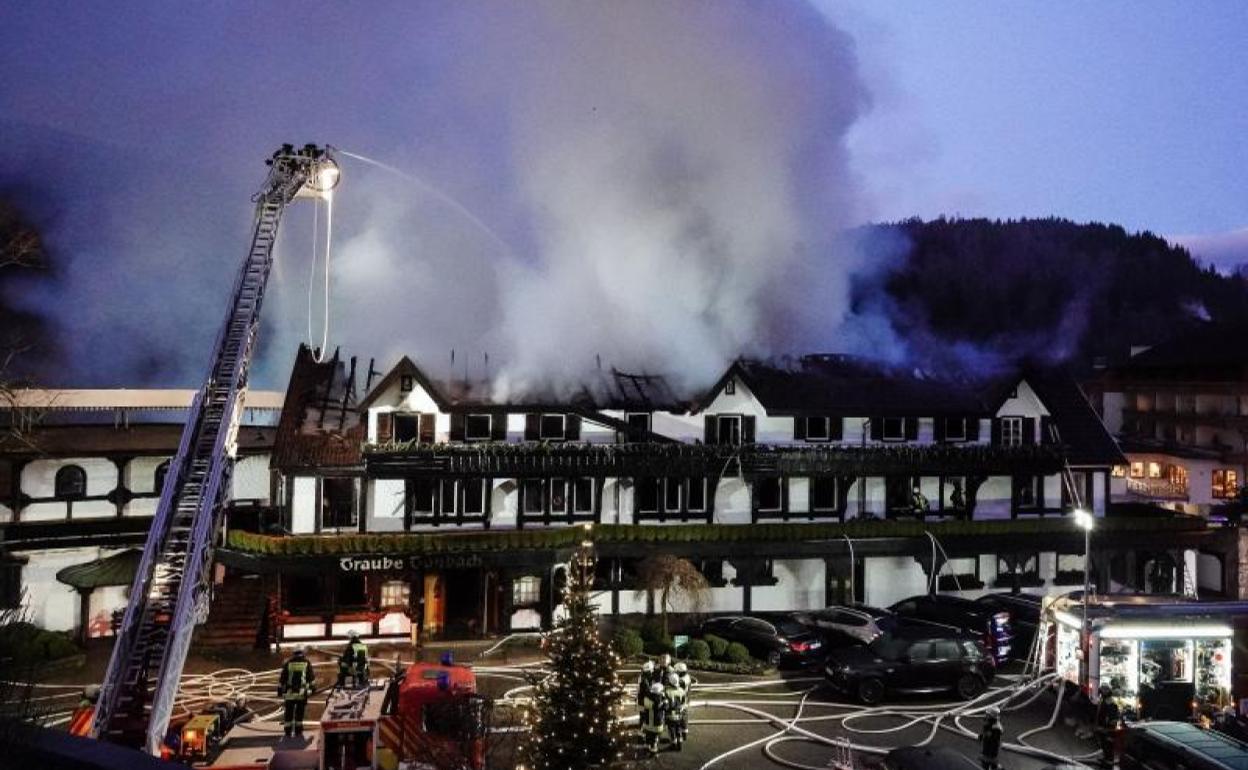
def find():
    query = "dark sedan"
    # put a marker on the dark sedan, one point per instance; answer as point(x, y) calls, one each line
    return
point(778, 640)
point(912, 659)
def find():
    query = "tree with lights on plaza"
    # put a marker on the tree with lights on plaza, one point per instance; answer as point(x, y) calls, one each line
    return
point(572, 720)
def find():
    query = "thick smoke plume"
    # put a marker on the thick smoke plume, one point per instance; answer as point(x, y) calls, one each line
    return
point(659, 186)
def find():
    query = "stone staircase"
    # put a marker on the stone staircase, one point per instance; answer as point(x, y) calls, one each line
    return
point(237, 614)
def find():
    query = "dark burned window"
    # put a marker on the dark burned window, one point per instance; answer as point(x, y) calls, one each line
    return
point(817, 428)
point(531, 490)
point(638, 425)
point(822, 494)
point(899, 493)
point(558, 496)
point(407, 383)
point(730, 429)
point(474, 496)
point(1028, 492)
point(71, 482)
point(672, 495)
point(955, 429)
point(552, 427)
point(406, 427)
point(730, 387)
point(10, 585)
point(338, 503)
point(7, 480)
point(447, 502)
point(477, 427)
point(697, 495)
point(305, 592)
point(352, 590)
point(648, 495)
point(423, 495)
point(893, 429)
point(583, 495)
point(768, 492)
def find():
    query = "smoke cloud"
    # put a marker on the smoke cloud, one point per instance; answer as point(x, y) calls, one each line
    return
point(660, 186)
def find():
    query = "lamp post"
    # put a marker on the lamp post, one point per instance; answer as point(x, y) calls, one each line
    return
point(1086, 522)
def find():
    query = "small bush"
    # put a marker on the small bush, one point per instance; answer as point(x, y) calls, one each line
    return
point(736, 653)
point(718, 645)
point(628, 643)
point(652, 630)
point(698, 650)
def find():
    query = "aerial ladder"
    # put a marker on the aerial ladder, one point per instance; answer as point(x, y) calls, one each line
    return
point(171, 587)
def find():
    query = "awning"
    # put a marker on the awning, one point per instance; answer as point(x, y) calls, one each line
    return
point(115, 570)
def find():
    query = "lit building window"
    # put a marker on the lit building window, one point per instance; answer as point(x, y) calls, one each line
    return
point(1154, 470)
point(526, 590)
point(1137, 469)
point(1225, 482)
point(1119, 471)
point(395, 593)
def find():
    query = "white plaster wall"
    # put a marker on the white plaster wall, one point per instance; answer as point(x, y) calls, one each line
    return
point(732, 502)
point(1098, 492)
point(503, 499)
point(1025, 404)
point(303, 505)
point(682, 427)
point(6, 514)
point(385, 506)
point(877, 494)
point(1209, 572)
point(49, 603)
point(616, 511)
point(1053, 492)
point(995, 498)
point(799, 586)
point(930, 487)
point(889, 579)
point(799, 495)
point(630, 602)
point(39, 480)
point(1112, 405)
point(104, 602)
point(1189, 580)
point(140, 474)
point(251, 479)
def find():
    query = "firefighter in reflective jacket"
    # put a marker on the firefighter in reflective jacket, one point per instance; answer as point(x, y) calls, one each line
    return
point(353, 662)
point(294, 687)
point(677, 718)
point(653, 716)
point(1108, 715)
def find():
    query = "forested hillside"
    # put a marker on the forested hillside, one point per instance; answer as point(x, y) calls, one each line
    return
point(1045, 289)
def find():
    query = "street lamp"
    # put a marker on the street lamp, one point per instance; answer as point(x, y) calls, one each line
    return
point(1086, 522)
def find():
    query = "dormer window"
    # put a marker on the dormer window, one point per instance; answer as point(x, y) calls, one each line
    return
point(477, 427)
point(1011, 431)
point(730, 388)
point(407, 383)
point(553, 427)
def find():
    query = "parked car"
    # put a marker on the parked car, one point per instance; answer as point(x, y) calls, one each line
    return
point(859, 622)
point(1024, 610)
point(991, 626)
point(779, 640)
point(912, 659)
point(1180, 745)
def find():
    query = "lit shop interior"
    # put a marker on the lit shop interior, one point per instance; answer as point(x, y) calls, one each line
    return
point(1161, 661)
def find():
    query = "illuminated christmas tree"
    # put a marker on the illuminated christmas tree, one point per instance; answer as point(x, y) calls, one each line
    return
point(572, 720)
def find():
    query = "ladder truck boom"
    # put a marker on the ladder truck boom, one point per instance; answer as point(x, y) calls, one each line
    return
point(171, 587)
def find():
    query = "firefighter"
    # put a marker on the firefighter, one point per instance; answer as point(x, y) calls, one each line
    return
point(664, 668)
point(294, 686)
point(353, 662)
point(1108, 715)
point(990, 739)
point(686, 681)
point(918, 501)
point(676, 717)
point(644, 680)
point(653, 716)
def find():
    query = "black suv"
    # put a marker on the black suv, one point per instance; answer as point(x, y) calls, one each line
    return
point(989, 625)
point(912, 659)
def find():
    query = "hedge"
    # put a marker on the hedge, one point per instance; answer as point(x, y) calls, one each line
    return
point(567, 537)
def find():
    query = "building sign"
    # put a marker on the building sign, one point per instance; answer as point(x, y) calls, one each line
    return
point(412, 562)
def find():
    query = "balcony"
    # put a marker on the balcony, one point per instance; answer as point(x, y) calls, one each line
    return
point(534, 459)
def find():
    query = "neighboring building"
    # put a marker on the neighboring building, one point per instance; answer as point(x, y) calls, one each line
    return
point(1180, 410)
point(415, 505)
point(80, 477)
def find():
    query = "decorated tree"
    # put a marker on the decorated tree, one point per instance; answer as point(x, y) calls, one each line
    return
point(572, 719)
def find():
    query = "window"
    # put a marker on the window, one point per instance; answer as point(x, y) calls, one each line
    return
point(1028, 491)
point(583, 495)
point(1137, 469)
point(162, 471)
point(648, 495)
point(893, 429)
point(477, 427)
point(638, 425)
point(558, 496)
point(552, 427)
point(395, 593)
point(6, 480)
point(1225, 482)
point(421, 493)
point(730, 429)
point(945, 649)
point(305, 592)
point(817, 428)
point(1154, 470)
point(407, 383)
point(447, 500)
point(730, 387)
point(955, 429)
point(899, 493)
point(1011, 431)
point(71, 482)
point(919, 651)
point(672, 495)
point(1119, 471)
point(526, 590)
point(697, 495)
point(531, 490)
point(406, 427)
point(474, 496)
point(822, 494)
point(768, 493)
point(338, 503)
point(10, 585)
point(352, 590)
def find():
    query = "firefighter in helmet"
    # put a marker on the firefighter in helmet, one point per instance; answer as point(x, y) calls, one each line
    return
point(676, 717)
point(353, 662)
point(293, 687)
point(653, 716)
point(1108, 715)
point(990, 739)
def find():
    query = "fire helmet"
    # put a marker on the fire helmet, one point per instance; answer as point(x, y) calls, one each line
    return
point(656, 689)
point(681, 668)
point(648, 666)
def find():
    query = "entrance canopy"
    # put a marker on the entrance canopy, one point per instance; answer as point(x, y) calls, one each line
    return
point(115, 570)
